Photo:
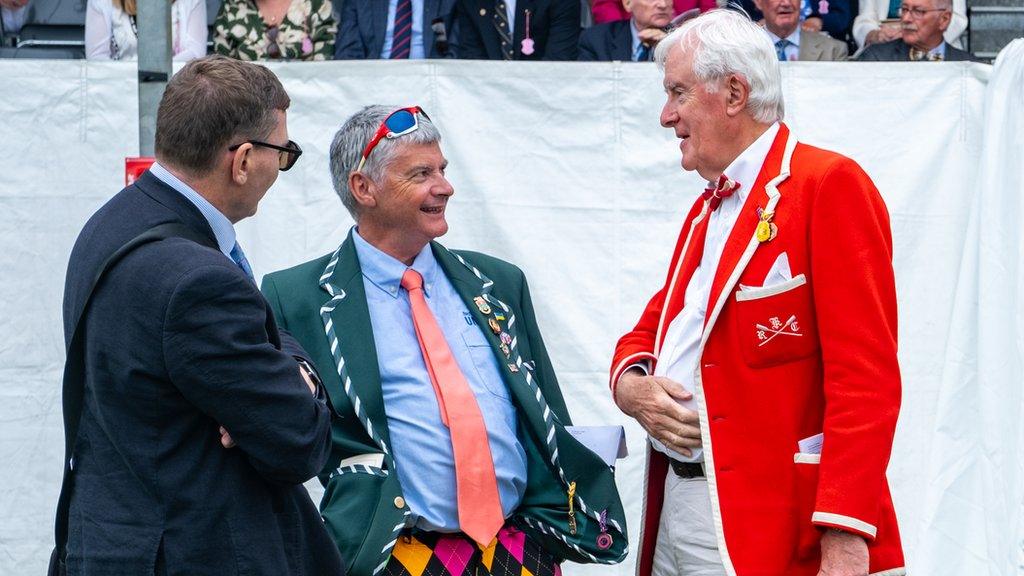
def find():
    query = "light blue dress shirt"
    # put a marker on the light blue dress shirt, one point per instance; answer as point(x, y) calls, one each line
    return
point(223, 230)
point(419, 440)
point(416, 48)
point(792, 50)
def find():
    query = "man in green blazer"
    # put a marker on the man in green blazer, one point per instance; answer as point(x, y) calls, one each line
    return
point(450, 455)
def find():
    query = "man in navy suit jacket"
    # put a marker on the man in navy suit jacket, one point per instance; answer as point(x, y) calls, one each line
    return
point(540, 29)
point(628, 40)
point(366, 29)
point(200, 420)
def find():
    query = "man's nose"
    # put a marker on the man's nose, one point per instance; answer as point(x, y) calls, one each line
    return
point(668, 115)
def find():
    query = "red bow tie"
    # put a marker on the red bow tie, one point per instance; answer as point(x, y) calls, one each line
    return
point(714, 194)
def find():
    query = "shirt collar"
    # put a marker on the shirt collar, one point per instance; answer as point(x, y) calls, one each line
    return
point(385, 271)
point(223, 230)
point(635, 35)
point(793, 38)
point(747, 166)
point(940, 50)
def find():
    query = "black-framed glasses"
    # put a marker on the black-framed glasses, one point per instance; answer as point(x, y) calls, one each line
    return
point(286, 155)
point(918, 13)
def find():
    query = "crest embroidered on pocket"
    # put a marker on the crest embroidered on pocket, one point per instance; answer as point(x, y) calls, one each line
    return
point(777, 328)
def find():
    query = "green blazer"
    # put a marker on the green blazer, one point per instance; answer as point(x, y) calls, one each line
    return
point(322, 303)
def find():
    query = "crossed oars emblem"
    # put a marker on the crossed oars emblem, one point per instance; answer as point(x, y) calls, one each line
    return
point(788, 328)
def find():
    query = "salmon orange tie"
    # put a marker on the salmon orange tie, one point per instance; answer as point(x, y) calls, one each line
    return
point(480, 513)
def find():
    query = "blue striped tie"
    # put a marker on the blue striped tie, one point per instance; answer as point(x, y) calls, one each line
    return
point(401, 43)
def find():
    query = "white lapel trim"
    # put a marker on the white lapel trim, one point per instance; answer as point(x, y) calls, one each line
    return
point(771, 188)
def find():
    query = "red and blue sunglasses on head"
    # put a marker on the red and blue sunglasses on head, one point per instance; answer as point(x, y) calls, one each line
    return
point(399, 123)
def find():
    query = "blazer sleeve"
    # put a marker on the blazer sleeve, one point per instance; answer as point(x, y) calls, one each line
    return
point(219, 357)
point(854, 295)
point(587, 51)
point(544, 371)
point(468, 44)
point(348, 45)
point(564, 33)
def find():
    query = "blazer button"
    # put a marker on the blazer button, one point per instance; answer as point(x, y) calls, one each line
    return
point(399, 502)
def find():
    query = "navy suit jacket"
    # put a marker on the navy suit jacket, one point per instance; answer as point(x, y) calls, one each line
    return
point(554, 28)
point(364, 23)
point(606, 42)
point(179, 341)
point(899, 51)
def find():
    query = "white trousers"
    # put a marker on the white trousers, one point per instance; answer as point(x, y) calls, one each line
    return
point(687, 545)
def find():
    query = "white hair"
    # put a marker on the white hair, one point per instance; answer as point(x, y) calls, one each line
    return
point(725, 42)
point(350, 140)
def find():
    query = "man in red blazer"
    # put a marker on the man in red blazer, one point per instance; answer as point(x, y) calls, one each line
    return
point(764, 370)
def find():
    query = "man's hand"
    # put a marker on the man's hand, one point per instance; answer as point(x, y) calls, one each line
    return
point(843, 554)
point(651, 36)
point(812, 24)
point(225, 439)
point(654, 402)
point(309, 381)
point(883, 34)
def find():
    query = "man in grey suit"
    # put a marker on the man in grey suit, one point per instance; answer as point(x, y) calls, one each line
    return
point(782, 23)
point(923, 23)
point(394, 29)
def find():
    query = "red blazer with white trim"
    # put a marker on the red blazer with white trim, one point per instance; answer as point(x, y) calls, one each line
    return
point(780, 363)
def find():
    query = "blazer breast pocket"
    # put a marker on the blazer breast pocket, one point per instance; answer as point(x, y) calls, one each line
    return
point(776, 324)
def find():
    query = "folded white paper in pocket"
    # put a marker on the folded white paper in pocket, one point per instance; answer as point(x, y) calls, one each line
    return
point(372, 459)
point(811, 444)
point(608, 442)
point(777, 274)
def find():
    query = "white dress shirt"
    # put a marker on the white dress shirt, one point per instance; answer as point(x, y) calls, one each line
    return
point(678, 359)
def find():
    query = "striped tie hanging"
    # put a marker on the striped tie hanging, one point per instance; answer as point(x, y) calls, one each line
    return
point(401, 44)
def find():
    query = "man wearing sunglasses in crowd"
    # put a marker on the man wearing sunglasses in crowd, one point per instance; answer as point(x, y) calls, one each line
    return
point(450, 454)
point(197, 420)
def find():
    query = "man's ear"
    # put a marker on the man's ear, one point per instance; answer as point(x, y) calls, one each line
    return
point(944, 19)
point(628, 5)
point(241, 164)
point(737, 93)
point(363, 189)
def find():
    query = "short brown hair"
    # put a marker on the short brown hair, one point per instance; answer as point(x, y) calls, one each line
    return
point(211, 101)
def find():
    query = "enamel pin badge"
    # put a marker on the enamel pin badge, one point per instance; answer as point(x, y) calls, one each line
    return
point(766, 229)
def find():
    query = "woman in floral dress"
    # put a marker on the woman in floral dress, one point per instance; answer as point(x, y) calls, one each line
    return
point(275, 30)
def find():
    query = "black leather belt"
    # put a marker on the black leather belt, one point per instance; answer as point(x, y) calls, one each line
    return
point(687, 469)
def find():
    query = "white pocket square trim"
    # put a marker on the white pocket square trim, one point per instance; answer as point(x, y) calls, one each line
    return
point(757, 293)
point(804, 458)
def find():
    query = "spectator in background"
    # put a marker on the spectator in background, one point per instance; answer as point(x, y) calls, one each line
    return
point(782, 24)
point(923, 23)
point(275, 30)
point(879, 22)
point(613, 10)
point(511, 30)
point(111, 32)
point(832, 17)
point(632, 39)
point(398, 29)
point(13, 14)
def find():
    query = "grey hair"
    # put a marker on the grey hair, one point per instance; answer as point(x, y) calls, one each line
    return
point(353, 136)
point(725, 42)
